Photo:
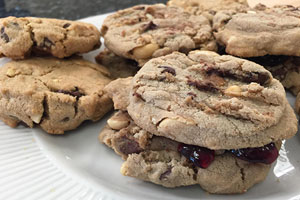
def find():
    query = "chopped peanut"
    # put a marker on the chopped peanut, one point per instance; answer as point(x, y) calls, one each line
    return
point(117, 123)
point(146, 51)
point(233, 90)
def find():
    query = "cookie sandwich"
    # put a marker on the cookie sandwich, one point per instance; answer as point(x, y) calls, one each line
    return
point(217, 121)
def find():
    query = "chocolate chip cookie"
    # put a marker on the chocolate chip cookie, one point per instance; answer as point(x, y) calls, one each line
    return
point(263, 31)
point(162, 161)
point(146, 31)
point(19, 37)
point(58, 95)
point(213, 101)
point(118, 67)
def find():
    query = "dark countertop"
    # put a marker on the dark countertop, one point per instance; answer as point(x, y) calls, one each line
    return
point(65, 9)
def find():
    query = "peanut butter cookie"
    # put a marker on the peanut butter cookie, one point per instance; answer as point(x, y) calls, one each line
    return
point(58, 95)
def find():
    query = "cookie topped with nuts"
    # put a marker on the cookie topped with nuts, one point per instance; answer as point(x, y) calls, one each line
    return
point(147, 31)
point(264, 31)
point(213, 101)
point(19, 37)
point(56, 94)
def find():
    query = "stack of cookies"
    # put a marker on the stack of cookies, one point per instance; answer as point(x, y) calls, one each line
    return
point(55, 93)
point(190, 115)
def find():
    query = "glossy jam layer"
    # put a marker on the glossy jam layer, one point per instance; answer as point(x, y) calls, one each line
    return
point(266, 154)
point(200, 156)
point(203, 157)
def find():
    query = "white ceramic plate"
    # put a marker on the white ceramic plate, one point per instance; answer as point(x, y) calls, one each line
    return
point(36, 165)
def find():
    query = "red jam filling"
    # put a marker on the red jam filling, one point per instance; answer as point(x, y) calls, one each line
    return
point(203, 157)
point(200, 156)
point(266, 154)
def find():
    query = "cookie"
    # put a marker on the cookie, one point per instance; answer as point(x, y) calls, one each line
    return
point(157, 159)
point(118, 67)
point(19, 37)
point(146, 31)
point(118, 90)
point(209, 8)
point(265, 31)
point(58, 95)
point(284, 68)
point(212, 101)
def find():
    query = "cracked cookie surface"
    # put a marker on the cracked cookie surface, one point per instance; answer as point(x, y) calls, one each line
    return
point(118, 67)
point(263, 31)
point(19, 37)
point(56, 94)
point(213, 101)
point(146, 31)
point(156, 159)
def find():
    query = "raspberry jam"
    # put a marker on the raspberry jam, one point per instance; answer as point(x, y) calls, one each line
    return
point(266, 154)
point(203, 157)
point(200, 156)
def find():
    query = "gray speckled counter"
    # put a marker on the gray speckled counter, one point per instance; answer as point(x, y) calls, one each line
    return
point(66, 9)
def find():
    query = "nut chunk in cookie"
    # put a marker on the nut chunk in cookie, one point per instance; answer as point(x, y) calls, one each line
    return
point(58, 95)
point(146, 31)
point(19, 37)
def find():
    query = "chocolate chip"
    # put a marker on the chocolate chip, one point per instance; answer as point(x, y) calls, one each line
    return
point(260, 78)
point(168, 69)
point(66, 25)
point(149, 26)
point(4, 36)
point(138, 96)
point(74, 93)
point(248, 77)
point(128, 146)
point(269, 60)
point(184, 50)
point(212, 12)
point(204, 85)
point(65, 119)
point(192, 94)
point(15, 24)
point(47, 43)
point(166, 173)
